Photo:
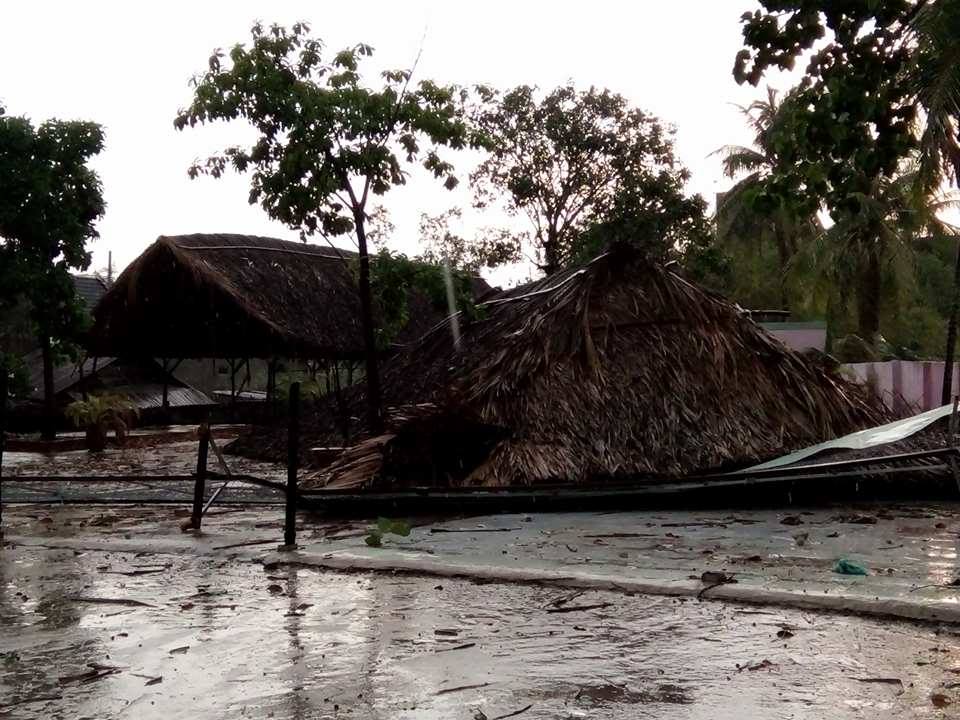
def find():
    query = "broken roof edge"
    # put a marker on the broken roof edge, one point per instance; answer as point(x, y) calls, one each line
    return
point(862, 439)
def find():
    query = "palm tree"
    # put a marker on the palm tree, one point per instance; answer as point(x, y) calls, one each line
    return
point(935, 79)
point(872, 249)
point(739, 222)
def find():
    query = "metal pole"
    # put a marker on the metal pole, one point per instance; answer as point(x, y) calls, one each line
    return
point(952, 439)
point(293, 458)
point(198, 489)
point(3, 428)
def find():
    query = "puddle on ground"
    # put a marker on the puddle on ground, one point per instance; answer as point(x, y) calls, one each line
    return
point(112, 635)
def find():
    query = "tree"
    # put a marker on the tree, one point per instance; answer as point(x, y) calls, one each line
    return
point(740, 223)
point(650, 212)
point(887, 60)
point(892, 218)
point(569, 160)
point(50, 200)
point(326, 141)
point(490, 247)
point(934, 80)
point(851, 119)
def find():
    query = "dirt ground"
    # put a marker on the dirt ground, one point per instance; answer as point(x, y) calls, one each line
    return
point(199, 625)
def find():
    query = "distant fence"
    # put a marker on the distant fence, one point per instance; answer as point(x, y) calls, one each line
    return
point(906, 386)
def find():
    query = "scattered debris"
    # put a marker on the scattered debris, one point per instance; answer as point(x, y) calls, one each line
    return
point(179, 650)
point(514, 713)
point(848, 567)
point(762, 665)
point(564, 599)
point(446, 691)
point(801, 538)
point(784, 633)
point(713, 578)
point(109, 601)
point(26, 701)
point(472, 530)
point(856, 519)
point(578, 608)
point(616, 693)
point(458, 647)
point(791, 520)
point(955, 583)
point(386, 526)
point(880, 680)
point(940, 700)
point(96, 672)
point(248, 543)
point(138, 571)
point(446, 632)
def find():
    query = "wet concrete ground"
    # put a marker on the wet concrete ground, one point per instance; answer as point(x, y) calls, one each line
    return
point(221, 635)
point(175, 458)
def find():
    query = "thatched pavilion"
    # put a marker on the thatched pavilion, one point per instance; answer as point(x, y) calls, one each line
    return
point(238, 297)
point(617, 370)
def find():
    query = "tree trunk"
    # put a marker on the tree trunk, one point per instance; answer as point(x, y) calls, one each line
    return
point(868, 300)
point(49, 431)
point(374, 410)
point(551, 252)
point(948, 354)
point(783, 256)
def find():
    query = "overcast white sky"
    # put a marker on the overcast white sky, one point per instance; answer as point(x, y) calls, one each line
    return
point(126, 66)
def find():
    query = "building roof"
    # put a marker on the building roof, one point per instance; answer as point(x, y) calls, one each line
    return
point(193, 296)
point(619, 369)
point(90, 288)
point(141, 382)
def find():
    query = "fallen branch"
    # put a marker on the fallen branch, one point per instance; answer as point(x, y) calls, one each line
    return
point(109, 601)
point(514, 713)
point(458, 647)
point(884, 681)
point(472, 530)
point(462, 687)
point(243, 544)
point(578, 608)
point(134, 573)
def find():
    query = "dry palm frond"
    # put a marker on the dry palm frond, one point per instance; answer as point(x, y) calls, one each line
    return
point(617, 370)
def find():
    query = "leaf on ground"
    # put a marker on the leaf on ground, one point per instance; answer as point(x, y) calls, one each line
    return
point(940, 700)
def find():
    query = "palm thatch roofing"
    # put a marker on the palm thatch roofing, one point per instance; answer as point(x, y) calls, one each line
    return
point(613, 371)
point(233, 296)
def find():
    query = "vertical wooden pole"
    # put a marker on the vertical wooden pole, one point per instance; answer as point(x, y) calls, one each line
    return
point(198, 489)
point(293, 460)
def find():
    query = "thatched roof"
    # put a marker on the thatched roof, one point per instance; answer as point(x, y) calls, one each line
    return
point(616, 370)
point(193, 296)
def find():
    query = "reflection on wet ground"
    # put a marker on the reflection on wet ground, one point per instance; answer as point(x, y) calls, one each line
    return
point(177, 458)
point(101, 635)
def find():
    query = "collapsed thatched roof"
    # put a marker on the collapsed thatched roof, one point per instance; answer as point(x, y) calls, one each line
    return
point(192, 296)
point(614, 370)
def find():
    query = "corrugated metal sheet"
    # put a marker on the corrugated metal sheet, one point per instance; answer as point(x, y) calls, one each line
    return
point(151, 396)
point(141, 383)
point(64, 376)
